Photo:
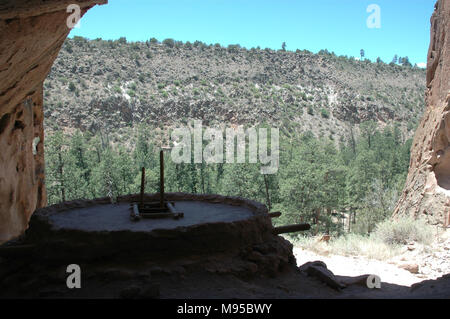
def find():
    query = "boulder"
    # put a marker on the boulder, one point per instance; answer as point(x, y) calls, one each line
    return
point(319, 270)
point(412, 268)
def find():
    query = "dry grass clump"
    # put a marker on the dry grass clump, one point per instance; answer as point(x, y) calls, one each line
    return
point(350, 245)
point(384, 243)
point(404, 230)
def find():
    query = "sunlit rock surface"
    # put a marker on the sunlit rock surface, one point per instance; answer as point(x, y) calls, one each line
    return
point(427, 190)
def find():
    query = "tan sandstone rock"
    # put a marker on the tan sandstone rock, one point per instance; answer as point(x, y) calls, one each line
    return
point(427, 189)
point(412, 268)
point(31, 35)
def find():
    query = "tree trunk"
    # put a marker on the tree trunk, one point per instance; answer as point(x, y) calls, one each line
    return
point(267, 192)
point(61, 177)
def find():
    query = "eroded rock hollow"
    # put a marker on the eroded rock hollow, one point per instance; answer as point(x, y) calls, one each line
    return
point(31, 35)
point(427, 190)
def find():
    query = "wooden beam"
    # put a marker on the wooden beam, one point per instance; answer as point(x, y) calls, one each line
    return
point(151, 210)
point(173, 211)
point(148, 204)
point(171, 207)
point(134, 215)
point(290, 228)
point(161, 215)
point(275, 214)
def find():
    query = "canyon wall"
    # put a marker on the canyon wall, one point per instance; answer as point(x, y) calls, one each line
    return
point(427, 190)
point(31, 35)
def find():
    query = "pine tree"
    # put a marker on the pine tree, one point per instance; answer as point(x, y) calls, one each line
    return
point(55, 169)
point(395, 59)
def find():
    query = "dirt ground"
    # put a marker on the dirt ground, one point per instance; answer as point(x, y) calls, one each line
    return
point(415, 264)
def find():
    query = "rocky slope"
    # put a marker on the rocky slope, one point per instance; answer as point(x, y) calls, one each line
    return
point(96, 84)
point(427, 190)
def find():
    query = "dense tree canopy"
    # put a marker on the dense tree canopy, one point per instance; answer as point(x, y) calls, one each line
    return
point(318, 181)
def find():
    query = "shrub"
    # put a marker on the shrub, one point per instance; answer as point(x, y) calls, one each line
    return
point(117, 89)
point(135, 46)
point(72, 87)
point(79, 41)
point(233, 48)
point(169, 43)
point(132, 86)
point(359, 245)
point(324, 113)
point(68, 47)
point(404, 230)
point(411, 125)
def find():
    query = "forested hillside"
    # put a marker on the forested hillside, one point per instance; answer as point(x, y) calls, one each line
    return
point(317, 181)
point(345, 125)
point(105, 85)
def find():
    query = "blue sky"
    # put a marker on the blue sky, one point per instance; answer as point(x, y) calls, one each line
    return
point(336, 25)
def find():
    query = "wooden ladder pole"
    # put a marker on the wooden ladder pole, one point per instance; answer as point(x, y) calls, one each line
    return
point(161, 177)
point(290, 228)
point(142, 186)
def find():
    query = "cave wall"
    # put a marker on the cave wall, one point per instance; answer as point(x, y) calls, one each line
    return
point(427, 190)
point(31, 35)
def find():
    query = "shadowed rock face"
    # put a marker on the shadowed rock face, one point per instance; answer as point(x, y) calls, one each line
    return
point(427, 190)
point(31, 35)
